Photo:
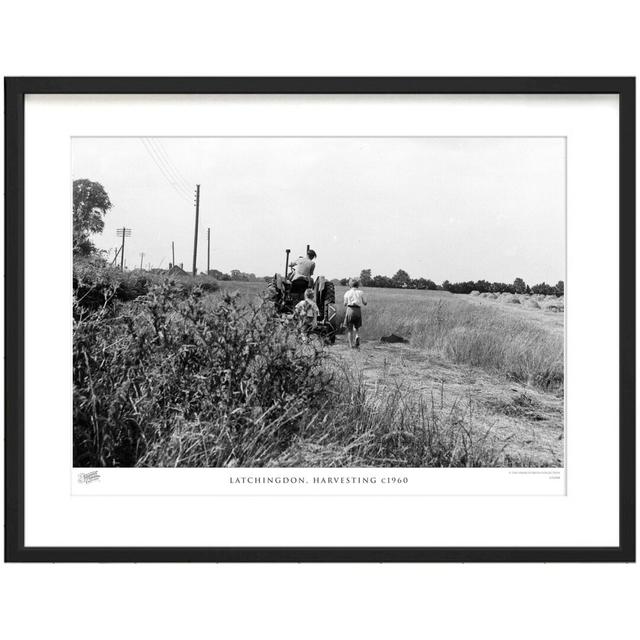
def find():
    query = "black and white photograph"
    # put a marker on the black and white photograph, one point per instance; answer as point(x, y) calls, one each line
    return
point(319, 302)
point(320, 320)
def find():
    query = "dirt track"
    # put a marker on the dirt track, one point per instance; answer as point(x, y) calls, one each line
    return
point(527, 419)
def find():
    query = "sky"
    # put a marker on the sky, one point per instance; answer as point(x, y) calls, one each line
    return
point(439, 208)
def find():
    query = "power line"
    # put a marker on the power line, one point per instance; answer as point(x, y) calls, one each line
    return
point(170, 179)
point(171, 171)
point(172, 164)
point(161, 168)
point(163, 171)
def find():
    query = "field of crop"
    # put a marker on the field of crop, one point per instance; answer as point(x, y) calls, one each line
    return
point(522, 343)
point(186, 377)
point(498, 366)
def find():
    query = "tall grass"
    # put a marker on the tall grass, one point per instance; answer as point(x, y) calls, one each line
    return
point(495, 339)
point(394, 429)
point(146, 371)
point(467, 333)
point(177, 378)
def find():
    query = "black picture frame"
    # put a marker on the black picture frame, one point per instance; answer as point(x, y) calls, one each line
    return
point(15, 91)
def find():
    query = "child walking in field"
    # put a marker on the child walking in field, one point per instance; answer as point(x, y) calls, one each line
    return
point(307, 311)
point(353, 301)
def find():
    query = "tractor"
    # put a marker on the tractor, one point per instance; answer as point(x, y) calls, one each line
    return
point(281, 294)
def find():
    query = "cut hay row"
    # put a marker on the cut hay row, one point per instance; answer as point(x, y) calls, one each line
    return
point(551, 303)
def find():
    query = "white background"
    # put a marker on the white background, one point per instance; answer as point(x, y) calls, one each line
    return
point(335, 38)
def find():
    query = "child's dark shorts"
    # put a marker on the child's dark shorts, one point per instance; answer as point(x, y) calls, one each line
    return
point(353, 319)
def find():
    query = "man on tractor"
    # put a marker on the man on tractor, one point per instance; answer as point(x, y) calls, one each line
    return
point(302, 275)
point(287, 292)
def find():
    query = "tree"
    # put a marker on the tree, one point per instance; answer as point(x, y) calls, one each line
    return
point(420, 283)
point(560, 288)
point(401, 278)
point(90, 205)
point(381, 281)
point(463, 287)
point(219, 275)
point(543, 288)
point(431, 285)
point(238, 276)
point(502, 287)
point(519, 285)
point(365, 278)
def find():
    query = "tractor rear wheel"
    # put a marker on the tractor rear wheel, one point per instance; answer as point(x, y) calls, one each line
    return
point(329, 293)
point(329, 298)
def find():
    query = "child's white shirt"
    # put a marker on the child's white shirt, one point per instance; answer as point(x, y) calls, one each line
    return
point(354, 297)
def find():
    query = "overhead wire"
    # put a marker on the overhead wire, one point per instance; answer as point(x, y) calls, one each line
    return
point(172, 164)
point(170, 168)
point(179, 189)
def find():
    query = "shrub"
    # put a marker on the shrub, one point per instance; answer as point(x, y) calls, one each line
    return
point(96, 284)
point(169, 379)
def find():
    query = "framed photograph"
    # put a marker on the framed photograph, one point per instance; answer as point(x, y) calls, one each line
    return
point(320, 319)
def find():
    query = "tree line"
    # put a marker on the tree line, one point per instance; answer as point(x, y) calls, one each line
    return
point(91, 203)
point(235, 276)
point(402, 280)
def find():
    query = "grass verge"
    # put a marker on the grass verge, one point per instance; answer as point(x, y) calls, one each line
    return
point(177, 377)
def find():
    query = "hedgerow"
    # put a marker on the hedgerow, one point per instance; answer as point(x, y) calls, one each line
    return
point(152, 375)
point(96, 284)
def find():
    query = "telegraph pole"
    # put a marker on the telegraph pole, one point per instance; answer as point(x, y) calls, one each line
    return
point(141, 258)
point(116, 256)
point(173, 255)
point(208, 249)
point(195, 235)
point(124, 233)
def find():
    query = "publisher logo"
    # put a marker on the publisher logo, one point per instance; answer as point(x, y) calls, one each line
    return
point(89, 477)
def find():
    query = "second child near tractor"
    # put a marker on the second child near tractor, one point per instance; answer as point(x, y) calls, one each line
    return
point(307, 312)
